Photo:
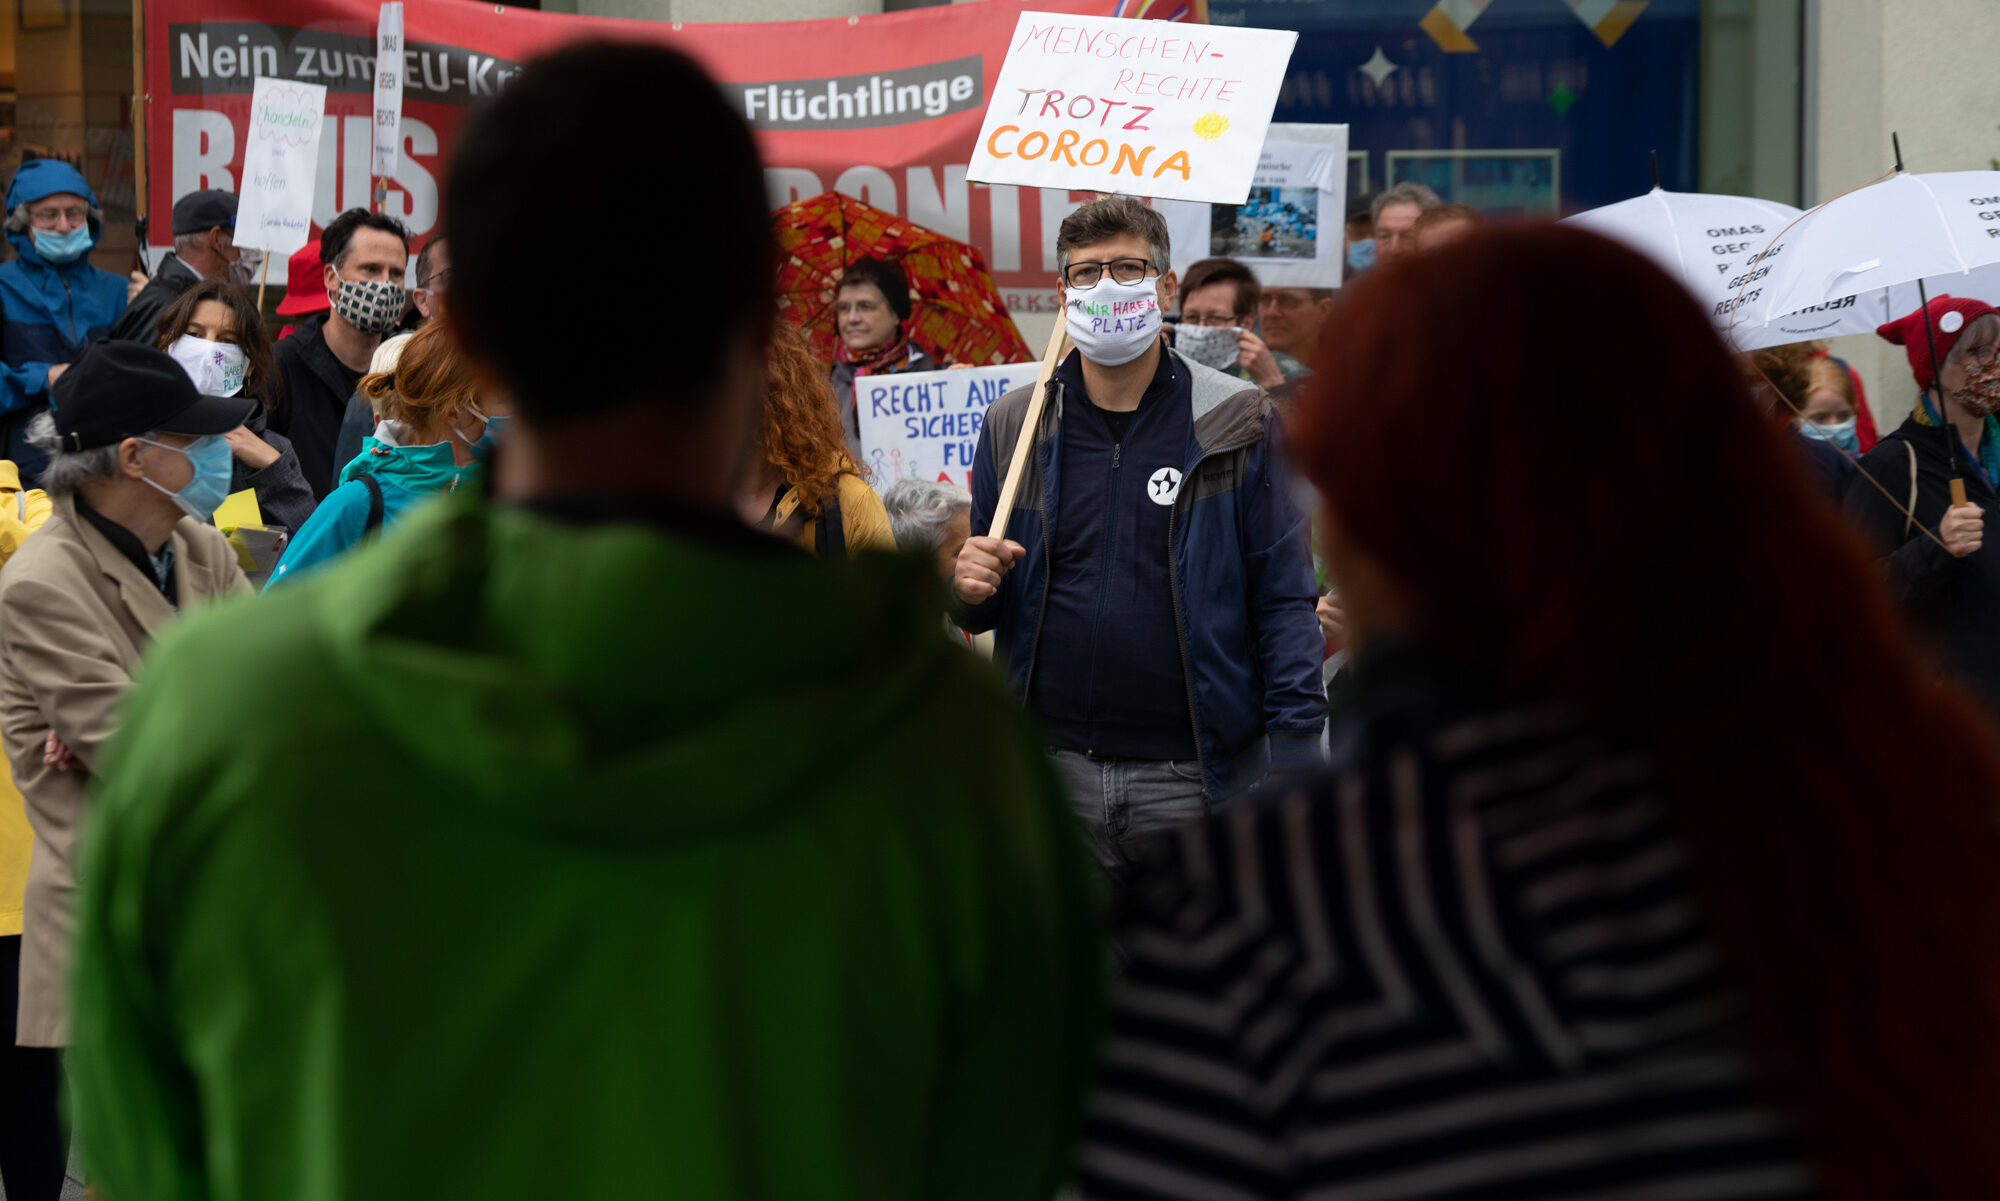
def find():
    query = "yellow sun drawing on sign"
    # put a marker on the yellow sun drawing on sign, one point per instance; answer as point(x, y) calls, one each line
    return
point(1210, 126)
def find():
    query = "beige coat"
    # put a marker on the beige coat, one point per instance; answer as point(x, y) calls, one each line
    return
point(75, 615)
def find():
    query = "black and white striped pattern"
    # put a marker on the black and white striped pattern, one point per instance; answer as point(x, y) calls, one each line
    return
point(1471, 966)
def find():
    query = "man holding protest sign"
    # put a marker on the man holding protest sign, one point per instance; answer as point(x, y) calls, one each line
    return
point(1154, 603)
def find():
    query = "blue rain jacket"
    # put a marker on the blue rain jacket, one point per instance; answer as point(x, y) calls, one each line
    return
point(48, 311)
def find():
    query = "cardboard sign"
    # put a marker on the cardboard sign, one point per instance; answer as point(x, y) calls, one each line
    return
point(1289, 231)
point(925, 424)
point(280, 159)
point(388, 89)
point(1145, 108)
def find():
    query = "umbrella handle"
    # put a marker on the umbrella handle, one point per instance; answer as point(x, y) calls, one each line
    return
point(1024, 443)
point(1958, 493)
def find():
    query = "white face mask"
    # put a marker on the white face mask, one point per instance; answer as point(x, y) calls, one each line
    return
point(1208, 346)
point(1113, 323)
point(215, 367)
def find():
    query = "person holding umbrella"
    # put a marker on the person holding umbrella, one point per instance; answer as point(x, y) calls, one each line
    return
point(1939, 563)
point(871, 308)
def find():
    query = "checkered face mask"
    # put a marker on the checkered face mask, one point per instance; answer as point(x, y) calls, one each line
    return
point(369, 305)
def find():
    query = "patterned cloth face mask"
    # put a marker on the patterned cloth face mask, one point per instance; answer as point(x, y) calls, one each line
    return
point(370, 305)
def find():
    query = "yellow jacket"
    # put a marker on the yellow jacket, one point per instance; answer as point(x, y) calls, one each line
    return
point(21, 514)
point(862, 518)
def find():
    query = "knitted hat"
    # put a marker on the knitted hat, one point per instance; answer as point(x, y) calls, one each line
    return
point(1949, 315)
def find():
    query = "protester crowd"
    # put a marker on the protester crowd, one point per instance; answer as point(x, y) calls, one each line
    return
point(1361, 749)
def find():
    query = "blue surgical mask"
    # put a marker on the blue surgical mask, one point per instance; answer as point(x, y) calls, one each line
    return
point(63, 248)
point(213, 466)
point(496, 429)
point(1840, 433)
point(1361, 255)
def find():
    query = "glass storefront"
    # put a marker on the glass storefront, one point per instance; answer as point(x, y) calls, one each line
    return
point(1542, 107)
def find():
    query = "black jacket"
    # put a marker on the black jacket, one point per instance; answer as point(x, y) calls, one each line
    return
point(282, 495)
point(142, 317)
point(1954, 603)
point(317, 386)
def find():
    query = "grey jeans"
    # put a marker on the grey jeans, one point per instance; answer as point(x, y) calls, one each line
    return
point(1125, 799)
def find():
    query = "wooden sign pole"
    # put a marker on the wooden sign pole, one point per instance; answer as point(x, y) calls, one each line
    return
point(1024, 443)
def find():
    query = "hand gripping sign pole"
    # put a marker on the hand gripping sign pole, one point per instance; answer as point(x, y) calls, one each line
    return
point(1110, 105)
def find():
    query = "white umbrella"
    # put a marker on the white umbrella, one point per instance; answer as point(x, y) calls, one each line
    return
point(1705, 241)
point(1905, 228)
point(1863, 312)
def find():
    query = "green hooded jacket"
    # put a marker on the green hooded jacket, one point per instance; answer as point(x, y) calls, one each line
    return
point(517, 858)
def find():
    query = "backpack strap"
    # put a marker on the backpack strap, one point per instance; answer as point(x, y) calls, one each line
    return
point(374, 504)
point(830, 535)
point(1910, 510)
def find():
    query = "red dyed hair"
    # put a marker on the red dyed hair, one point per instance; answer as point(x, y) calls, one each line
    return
point(1597, 522)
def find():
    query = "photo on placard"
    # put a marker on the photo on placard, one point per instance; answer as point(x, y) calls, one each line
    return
point(1274, 223)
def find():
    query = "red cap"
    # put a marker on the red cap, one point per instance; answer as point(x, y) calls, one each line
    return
point(1950, 315)
point(305, 283)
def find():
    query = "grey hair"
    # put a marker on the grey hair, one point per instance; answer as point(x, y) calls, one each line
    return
point(186, 242)
point(1403, 193)
point(1985, 323)
point(69, 470)
point(919, 510)
point(1107, 218)
point(18, 222)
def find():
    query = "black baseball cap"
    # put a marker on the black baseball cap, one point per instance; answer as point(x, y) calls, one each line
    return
point(198, 212)
point(121, 390)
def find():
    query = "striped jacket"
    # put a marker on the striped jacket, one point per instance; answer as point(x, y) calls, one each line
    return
point(1470, 964)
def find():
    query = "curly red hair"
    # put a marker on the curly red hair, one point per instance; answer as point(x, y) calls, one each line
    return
point(800, 434)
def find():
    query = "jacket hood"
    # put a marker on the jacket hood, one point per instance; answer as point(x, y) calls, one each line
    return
point(611, 681)
point(419, 469)
point(41, 178)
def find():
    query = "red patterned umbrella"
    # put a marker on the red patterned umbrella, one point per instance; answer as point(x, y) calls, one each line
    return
point(955, 311)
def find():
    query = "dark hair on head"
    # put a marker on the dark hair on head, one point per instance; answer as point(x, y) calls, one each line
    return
point(1224, 271)
point(1836, 799)
point(887, 276)
point(1445, 214)
point(427, 259)
point(261, 377)
point(799, 432)
point(338, 235)
point(1109, 217)
point(585, 104)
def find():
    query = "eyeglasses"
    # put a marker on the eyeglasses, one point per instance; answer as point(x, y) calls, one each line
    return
point(1211, 320)
point(1089, 275)
point(50, 215)
point(435, 281)
point(1985, 354)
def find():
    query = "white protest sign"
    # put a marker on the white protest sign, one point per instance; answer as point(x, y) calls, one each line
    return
point(1288, 231)
point(925, 424)
point(388, 89)
point(1146, 108)
point(280, 160)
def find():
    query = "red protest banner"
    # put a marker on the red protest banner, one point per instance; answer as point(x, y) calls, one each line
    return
point(884, 108)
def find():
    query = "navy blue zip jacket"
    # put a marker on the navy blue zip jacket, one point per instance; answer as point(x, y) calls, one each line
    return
point(1241, 579)
point(48, 311)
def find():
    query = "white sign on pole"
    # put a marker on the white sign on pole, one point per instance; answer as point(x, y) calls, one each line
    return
point(388, 89)
point(1289, 231)
point(925, 424)
point(280, 160)
point(1146, 108)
